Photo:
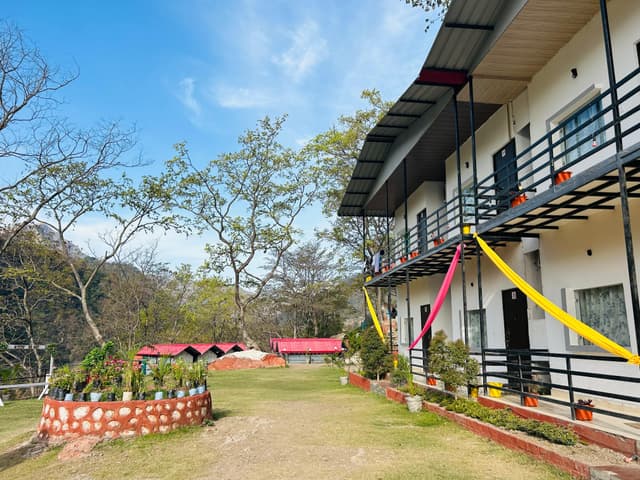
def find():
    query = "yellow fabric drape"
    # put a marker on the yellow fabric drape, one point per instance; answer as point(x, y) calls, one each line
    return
point(373, 315)
point(552, 309)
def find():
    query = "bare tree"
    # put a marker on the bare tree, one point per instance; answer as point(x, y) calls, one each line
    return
point(131, 209)
point(31, 140)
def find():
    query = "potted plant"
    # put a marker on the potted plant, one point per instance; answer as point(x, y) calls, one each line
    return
point(529, 401)
point(562, 176)
point(127, 381)
point(413, 398)
point(451, 362)
point(159, 373)
point(63, 381)
point(584, 414)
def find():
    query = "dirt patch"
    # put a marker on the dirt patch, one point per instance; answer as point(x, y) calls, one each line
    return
point(78, 448)
point(233, 362)
point(22, 452)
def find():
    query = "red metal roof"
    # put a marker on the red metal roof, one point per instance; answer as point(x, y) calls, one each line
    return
point(225, 347)
point(170, 349)
point(306, 345)
point(173, 349)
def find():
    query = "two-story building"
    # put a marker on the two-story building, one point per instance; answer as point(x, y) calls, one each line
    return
point(522, 126)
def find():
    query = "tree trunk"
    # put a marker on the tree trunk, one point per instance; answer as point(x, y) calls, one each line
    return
point(95, 331)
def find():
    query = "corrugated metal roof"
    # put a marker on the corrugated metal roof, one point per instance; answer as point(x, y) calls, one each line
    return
point(306, 345)
point(468, 31)
point(170, 349)
point(173, 349)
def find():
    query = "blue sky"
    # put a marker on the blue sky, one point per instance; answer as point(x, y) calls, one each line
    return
point(204, 71)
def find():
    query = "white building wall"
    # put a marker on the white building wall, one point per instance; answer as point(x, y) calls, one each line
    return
point(429, 195)
point(422, 291)
point(564, 263)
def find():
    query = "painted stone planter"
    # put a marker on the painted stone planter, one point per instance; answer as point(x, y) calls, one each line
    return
point(61, 421)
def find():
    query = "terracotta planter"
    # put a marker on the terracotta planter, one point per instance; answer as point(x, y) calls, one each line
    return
point(438, 241)
point(561, 177)
point(584, 415)
point(413, 254)
point(518, 200)
point(403, 259)
point(432, 381)
point(530, 402)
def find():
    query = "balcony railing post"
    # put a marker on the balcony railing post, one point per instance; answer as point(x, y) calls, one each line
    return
point(520, 377)
point(570, 388)
point(484, 370)
point(552, 167)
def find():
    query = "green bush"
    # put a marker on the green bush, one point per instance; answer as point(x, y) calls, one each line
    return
point(508, 420)
point(374, 353)
point(451, 362)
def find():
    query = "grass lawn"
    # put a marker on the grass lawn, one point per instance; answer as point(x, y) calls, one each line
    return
point(296, 422)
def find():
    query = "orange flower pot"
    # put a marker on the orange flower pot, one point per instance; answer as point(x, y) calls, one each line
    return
point(518, 200)
point(584, 415)
point(413, 254)
point(432, 381)
point(561, 177)
point(530, 402)
point(438, 241)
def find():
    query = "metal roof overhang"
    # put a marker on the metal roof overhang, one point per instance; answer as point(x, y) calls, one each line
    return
point(468, 31)
point(503, 43)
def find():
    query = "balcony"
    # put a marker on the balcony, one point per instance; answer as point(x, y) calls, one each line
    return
point(571, 170)
point(568, 172)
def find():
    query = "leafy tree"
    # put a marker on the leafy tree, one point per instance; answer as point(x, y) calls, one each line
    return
point(310, 293)
point(438, 6)
point(209, 311)
point(129, 286)
point(250, 199)
point(336, 152)
point(374, 354)
point(31, 310)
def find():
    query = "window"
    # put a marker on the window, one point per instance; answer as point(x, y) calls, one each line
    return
point(603, 309)
point(580, 131)
point(468, 203)
point(405, 331)
point(474, 317)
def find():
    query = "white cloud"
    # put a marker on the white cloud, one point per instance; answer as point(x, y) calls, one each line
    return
point(186, 95)
point(238, 97)
point(307, 49)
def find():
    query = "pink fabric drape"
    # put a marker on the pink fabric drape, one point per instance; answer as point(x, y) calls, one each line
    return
point(442, 294)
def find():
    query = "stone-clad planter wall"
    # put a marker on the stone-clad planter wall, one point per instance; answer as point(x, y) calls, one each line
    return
point(61, 421)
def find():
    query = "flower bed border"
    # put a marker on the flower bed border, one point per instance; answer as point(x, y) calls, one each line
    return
point(507, 439)
point(61, 421)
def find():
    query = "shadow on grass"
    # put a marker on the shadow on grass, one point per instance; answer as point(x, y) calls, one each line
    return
point(219, 413)
point(19, 454)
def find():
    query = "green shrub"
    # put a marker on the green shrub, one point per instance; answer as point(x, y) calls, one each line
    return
point(508, 420)
point(374, 353)
point(451, 362)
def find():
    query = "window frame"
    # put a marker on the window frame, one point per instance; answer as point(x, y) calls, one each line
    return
point(570, 305)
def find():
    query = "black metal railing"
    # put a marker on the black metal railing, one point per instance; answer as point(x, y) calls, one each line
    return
point(574, 141)
point(442, 225)
point(581, 140)
point(536, 373)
